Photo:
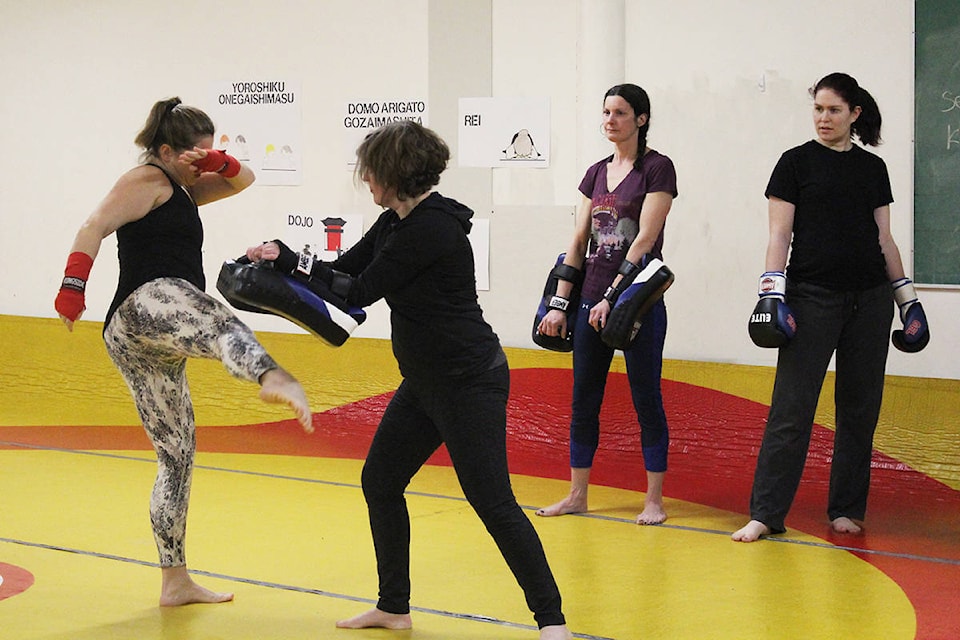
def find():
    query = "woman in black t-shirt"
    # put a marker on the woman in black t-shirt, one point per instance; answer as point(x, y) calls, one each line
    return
point(829, 209)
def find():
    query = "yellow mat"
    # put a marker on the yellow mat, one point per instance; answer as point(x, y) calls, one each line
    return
point(288, 535)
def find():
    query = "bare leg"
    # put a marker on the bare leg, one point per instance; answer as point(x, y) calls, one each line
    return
point(653, 511)
point(576, 502)
point(178, 588)
point(279, 387)
point(555, 632)
point(844, 524)
point(375, 618)
point(751, 532)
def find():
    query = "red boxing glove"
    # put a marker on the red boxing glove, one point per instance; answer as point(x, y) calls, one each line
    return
point(218, 162)
point(70, 300)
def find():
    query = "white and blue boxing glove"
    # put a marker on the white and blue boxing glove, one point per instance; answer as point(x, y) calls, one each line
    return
point(916, 332)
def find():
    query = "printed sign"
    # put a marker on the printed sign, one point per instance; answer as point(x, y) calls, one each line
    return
point(258, 122)
point(503, 132)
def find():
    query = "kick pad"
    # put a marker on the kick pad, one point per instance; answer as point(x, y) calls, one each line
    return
point(261, 289)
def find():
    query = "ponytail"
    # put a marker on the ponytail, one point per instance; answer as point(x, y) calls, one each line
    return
point(172, 123)
point(867, 126)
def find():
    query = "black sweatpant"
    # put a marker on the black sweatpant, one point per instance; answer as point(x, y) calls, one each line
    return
point(855, 326)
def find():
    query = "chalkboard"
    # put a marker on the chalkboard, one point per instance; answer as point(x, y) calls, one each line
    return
point(936, 172)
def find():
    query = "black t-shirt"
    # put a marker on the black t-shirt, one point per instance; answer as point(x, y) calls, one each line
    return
point(836, 242)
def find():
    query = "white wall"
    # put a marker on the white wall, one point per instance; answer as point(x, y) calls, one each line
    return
point(79, 79)
point(725, 135)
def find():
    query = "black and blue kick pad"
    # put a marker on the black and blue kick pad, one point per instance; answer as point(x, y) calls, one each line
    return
point(259, 288)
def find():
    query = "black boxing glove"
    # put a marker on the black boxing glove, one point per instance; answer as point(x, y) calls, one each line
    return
point(772, 323)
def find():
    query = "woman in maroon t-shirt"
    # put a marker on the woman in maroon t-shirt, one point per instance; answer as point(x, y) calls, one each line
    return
point(623, 207)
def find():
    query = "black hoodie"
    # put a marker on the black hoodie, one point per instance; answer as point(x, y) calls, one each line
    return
point(423, 267)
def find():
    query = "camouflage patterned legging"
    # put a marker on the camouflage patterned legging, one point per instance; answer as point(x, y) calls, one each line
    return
point(149, 338)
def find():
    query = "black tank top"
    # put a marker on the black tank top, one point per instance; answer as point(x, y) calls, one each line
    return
point(165, 243)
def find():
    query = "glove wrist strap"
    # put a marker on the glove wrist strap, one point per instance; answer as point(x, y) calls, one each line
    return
point(304, 267)
point(629, 272)
point(77, 271)
point(904, 292)
point(559, 302)
point(772, 283)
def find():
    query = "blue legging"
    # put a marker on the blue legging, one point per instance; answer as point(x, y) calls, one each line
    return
point(591, 364)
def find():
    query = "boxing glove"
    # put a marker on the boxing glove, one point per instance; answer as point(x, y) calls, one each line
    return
point(772, 323)
point(916, 332)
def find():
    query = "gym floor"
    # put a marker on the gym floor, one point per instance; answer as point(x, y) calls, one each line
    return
point(277, 516)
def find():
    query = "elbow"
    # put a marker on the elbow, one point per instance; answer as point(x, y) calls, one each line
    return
point(246, 183)
point(887, 242)
point(579, 245)
point(245, 178)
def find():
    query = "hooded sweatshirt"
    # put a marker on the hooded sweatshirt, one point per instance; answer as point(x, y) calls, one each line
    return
point(422, 265)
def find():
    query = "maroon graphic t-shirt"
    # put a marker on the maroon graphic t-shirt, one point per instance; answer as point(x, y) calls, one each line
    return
point(616, 216)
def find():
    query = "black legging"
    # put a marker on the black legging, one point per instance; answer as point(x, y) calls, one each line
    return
point(469, 415)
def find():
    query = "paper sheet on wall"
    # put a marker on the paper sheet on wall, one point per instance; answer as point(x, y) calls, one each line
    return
point(504, 132)
point(327, 237)
point(480, 242)
point(259, 122)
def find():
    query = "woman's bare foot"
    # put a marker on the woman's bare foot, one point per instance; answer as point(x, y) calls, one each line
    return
point(653, 513)
point(555, 632)
point(576, 502)
point(279, 387)
point(844, 524)
point(753, 531)
point(180, 589)
point(375, 618)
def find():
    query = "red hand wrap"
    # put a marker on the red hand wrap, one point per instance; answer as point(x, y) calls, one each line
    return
point(218, 162)
point(70, 299)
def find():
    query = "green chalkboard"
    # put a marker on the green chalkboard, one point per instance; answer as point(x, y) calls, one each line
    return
point(936, 172)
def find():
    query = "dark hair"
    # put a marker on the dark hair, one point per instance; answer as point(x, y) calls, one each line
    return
point(173, 123)
point(867, 125)
point(640, 101)
point(403, 155)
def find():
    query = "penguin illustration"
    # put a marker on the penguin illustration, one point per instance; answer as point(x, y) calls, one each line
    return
point(521, 146)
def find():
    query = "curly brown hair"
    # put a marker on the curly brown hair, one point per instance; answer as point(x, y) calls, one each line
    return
point(403, 155)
